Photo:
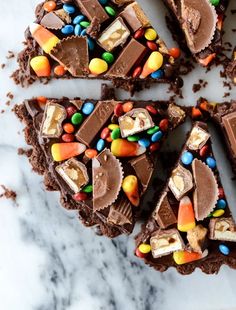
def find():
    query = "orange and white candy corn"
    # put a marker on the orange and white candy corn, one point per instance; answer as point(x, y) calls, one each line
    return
point(130, 187)
point(62, 151)
point(124, 148)
point(154, 62)
point(41, 66)
point(186, 217)
point(184, 257)
point(45, 38)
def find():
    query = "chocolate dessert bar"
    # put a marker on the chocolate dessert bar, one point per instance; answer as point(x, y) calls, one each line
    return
point(201, 23)
point(111, 40)
point(100, 155)
point(191, 225)
point(224, 116)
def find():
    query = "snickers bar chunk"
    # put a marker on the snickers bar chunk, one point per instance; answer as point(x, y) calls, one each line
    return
point(89, 39)
point(224, 116)
point(191, 225)
point(201, 26)
point(100, 155)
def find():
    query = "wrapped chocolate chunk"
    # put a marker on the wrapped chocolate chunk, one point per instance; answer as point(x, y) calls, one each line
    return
point(165, 242)
point(135, 17)
point(114, 35)
point(223, 229)
point(74, 173)
point(197, 238)
point(181, 182)
point(54, 115)
point(135, 121)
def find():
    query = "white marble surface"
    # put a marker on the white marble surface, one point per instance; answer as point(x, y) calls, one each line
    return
point(47, 259)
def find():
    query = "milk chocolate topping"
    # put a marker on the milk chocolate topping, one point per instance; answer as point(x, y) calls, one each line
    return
point(92, 8)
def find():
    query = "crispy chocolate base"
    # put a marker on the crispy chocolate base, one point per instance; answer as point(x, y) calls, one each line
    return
point(209, 265)
point(173, 23)
point(25, 77)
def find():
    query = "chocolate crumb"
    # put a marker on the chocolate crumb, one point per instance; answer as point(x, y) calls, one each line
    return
point(26, 152)
point(8, 103)
point(226, 95)
point(8, 193)
point(10, 55)
point(3, 66)
point(10, 95)
point(201, 84)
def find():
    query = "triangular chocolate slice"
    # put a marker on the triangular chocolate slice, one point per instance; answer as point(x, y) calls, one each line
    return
point(123, 46)
point(199, 213)
point(79, 148)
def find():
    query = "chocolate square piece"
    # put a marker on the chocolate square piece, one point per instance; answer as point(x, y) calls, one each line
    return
point(91, 9)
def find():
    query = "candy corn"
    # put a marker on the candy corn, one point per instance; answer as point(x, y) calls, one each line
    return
point(153, 63)
point(62, 151)
point(41, 66)
point(130, 187)
point(124, 148)
point(46, 39)
point(186, 218)
point(184, 257)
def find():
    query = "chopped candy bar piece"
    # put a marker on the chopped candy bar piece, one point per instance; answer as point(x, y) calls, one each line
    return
point(223, 229)
point(54, 115)
point(198, 138)
point(165, 242)
point(114, 35)
point(137, 120)
point(74, 173)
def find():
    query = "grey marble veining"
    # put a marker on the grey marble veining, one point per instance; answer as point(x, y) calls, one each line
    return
point(48, 260)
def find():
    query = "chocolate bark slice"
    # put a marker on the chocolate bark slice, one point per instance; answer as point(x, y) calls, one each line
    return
point(201, 23)
point(224, 116)
point(78, 147)
point(113, 41)
point(200, 216)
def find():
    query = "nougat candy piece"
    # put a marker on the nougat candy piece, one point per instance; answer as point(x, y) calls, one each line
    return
point(223, 229)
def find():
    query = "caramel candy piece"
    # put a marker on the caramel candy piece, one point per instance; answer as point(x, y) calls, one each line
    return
point(74, 173)
point(114, 35)
point(163, 212)
point(197, 238)
point(229, 122)
point(120, 212)
point(223, 229)
point(107, 179)
point(137, 120)
point(54, 115)
point(181, 182)
point(135, 17)
point(197, 139)
point(165, 242)
point(176, 115)
point(205, 195)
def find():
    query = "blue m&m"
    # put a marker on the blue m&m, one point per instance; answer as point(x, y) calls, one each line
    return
point(68, 29)
point(144, 142)
point(88, 108)
point(70, 9)
point(100, 145)
point(224, 249)
point(157, 136)
point(187, 158)
point(221, 204)
point(211, 162)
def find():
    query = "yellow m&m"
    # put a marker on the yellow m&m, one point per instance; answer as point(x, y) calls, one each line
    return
point(98, 66)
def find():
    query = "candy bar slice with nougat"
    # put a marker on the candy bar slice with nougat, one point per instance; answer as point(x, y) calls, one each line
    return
point(194, 208)
point(88, 39)
point(81, 149)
